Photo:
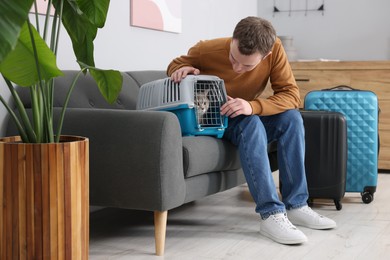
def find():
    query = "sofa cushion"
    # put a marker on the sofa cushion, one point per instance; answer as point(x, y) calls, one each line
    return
point(203, 154)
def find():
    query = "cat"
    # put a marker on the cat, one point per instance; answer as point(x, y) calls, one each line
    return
point(202, 104)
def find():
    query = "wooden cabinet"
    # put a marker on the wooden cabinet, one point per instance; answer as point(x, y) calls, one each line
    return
point(365, 75)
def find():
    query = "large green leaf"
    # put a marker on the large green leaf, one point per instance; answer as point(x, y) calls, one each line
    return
point(20, 65)
point(13, 14)
point(95, 10)
point(84, 50)
point(75, 21)
point(80, 30)
point(109, 83)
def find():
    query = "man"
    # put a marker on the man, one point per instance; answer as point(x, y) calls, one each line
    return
point(246, 62)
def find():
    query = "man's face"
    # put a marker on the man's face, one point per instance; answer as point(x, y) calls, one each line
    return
point(242, 63)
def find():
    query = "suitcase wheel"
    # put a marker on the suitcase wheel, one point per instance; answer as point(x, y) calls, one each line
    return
point(338, 204)
point(367, 197)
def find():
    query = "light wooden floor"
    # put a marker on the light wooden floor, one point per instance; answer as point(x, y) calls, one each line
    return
point(224, 226)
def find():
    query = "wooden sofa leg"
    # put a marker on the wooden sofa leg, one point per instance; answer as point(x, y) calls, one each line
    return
point(160, 227)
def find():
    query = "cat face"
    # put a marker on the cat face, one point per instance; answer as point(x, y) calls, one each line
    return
point(202, 102)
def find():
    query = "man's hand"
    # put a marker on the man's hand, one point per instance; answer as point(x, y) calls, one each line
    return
point(181, 73)
point(235, 107)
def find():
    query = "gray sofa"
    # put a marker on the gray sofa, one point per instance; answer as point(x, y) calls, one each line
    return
point(138, 159)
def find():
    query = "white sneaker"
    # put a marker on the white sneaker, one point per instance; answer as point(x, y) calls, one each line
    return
point(278, 228)
point(306, 217)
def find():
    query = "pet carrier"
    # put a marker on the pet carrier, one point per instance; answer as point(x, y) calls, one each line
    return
point(196, 101)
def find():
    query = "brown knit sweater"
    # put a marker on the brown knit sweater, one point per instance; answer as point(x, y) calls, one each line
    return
point(211, 57)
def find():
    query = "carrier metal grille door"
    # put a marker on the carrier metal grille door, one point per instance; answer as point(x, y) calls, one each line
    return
point(209, 97)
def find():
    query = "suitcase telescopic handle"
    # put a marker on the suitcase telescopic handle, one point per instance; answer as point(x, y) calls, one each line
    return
point(341, 87)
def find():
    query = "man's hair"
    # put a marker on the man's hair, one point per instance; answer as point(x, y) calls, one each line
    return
point(254, 34)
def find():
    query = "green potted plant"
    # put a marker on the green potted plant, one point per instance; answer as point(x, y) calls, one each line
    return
point(44, 190)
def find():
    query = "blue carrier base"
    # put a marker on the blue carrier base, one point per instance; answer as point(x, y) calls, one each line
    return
point(189, 127)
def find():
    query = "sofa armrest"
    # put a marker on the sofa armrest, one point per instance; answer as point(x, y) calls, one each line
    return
point(136, 157)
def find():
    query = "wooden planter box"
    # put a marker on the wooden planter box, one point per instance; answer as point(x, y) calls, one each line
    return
point(44, 195)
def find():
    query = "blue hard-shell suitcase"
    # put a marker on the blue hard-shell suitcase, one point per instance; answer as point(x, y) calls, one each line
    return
point(360, 108)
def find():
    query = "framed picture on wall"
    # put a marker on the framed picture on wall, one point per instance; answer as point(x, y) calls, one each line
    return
point(162, 15)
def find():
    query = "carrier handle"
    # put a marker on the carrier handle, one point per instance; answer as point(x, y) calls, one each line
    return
point(341, 87)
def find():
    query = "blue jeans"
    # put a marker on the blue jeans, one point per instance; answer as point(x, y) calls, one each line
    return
point(252, 134)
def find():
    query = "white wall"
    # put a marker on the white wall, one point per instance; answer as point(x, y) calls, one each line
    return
point(121, 46)
point(348, 30)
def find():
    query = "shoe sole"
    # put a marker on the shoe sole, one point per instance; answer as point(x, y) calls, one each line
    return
point(283, 241)
point(318, 227)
